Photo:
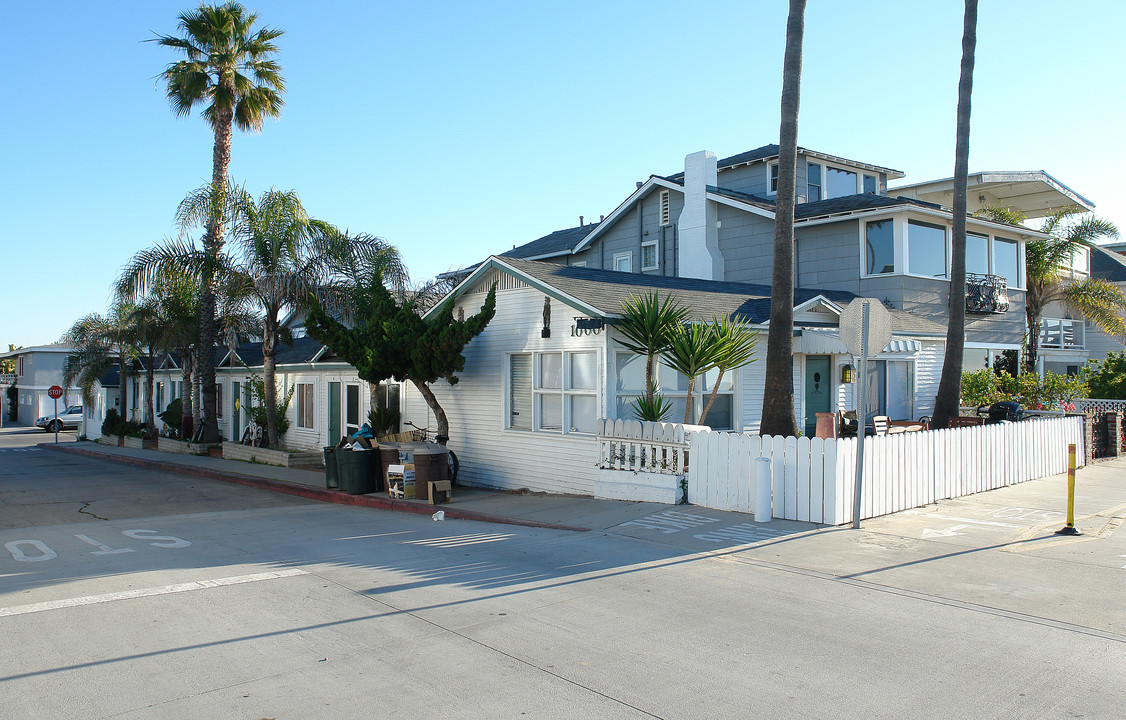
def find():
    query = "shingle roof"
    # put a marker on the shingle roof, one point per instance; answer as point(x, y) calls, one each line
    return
point(1108, 265)
point(556, 243)
point(303, 350)
point(604, 290)
point(831, 206)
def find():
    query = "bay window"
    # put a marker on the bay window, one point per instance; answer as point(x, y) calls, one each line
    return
point(926, 249)
point(879, 247)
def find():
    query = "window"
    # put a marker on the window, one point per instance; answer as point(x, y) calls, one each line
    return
point(926, 249)
point(305, 405)
point(553, 392)
point(665, 215)
point(649, 256)
point(351, 408)
point(623, 262)
point(773, 179)
point(977, 254)
point(839, 182)
point(520, 392)
point(20, 371)
point(813, 182)
point(870, 185)
point(159, 397)
point(579, 263)
point(890, 389)
point(879, 247)
point(1006, 260)
point(218, 400)
point(629, 384)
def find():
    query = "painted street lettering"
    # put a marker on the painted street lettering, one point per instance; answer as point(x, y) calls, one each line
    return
point(670, 521)
point(33, 551)
point(745, 533)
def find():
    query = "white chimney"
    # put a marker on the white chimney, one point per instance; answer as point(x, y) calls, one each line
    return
point(699, 255)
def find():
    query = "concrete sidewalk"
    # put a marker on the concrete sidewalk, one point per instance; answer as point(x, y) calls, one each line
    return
point(561, 512)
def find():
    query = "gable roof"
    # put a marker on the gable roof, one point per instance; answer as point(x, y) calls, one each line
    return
point(1107, 265)
point(560, 242)
point(600, 292)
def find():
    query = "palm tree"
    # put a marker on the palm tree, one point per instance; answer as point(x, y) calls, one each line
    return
point(778, 399)
point(950, 384)
point(284, 259)
point(228, 68)
point(100, 342)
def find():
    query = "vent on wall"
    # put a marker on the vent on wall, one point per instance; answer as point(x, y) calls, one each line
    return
point(503, 280)
point(665, 215)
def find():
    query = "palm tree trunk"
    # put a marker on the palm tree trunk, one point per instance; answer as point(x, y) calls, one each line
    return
point(1032, 312)
point(197, 391)
point(778, 400)
point(269, 375)
point(688, 401)
point(122, 384)
point(435, 407)
point(711, 398)
point(187, 388)
point(213, 245)
point(950, 386)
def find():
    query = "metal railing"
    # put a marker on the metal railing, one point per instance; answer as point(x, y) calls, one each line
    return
point(986, 294)
point(1062, 333)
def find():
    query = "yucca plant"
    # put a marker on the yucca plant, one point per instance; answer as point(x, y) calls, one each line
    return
point(737, 341)
point(647, 322)
point(693, 350)
point(651, 407)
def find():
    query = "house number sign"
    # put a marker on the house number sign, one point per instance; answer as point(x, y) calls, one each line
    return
point(586, 326)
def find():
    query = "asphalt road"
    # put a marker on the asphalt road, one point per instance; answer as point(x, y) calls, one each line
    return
point(125, 594)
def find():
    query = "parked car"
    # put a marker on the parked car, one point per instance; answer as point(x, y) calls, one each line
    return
point(68, 419)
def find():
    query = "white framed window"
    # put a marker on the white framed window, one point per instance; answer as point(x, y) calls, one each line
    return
point(666, 218)
point(891, 389)
point(926, 249)
point(553, 392)
point(305, 403)
point(772, 186)
point(629, 384)
point(623, 262)
point(839, 182)
point(650, 258)
point(871, 185)
point(20, 370)
point(813, 182)
point(579, 263)
point(879, 247)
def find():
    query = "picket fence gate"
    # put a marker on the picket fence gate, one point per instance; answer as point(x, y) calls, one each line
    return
point(812, 479)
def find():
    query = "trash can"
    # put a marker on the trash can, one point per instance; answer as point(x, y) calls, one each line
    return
point(356, 471)
point(430, 465)
point(332, 476)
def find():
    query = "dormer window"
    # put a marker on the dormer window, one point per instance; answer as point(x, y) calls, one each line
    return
point(839, 182)
point(813, 182)
point(665, 214)
point(870, 185)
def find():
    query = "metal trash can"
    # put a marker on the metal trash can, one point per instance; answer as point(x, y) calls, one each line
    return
point(332, 474)
point(356, 470)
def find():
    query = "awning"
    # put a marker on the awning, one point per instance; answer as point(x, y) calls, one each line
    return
point(828, 342)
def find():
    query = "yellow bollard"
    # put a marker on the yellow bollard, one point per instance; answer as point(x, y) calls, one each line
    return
point(1069, 529)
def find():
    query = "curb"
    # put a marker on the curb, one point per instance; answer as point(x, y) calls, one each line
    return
point(311, 493)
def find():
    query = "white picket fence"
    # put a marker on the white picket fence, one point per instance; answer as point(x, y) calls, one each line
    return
point(649, 447)
point(812, 479)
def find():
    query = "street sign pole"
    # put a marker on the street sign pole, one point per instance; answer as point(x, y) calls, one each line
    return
point(55, 392)
point(56, 421)
point(861, 420)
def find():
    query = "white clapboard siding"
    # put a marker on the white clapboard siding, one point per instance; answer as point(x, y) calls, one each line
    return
point(813, 480)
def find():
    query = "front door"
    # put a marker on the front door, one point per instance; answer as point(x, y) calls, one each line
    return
point(333, 413)
point(818, 390)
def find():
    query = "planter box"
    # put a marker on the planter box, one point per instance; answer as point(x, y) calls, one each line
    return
point(111, 440)
point(169, 445)
point(133, 442)
point(638, 486)
point(282, 458)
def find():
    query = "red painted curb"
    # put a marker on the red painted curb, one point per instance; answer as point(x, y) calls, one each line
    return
point(312, 493)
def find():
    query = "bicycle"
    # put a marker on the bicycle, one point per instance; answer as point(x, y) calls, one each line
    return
point(254, 435)
point(454, 465)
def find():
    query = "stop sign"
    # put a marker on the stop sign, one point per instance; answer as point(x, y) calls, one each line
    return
point(54, 392)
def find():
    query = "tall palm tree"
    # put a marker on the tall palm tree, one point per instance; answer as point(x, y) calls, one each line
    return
point(778, 398)
point(950, 384)
point(228, 68)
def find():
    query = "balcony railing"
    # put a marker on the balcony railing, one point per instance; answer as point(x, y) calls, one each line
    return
point(8, 378)
point(1062, 333)
point(986, 294)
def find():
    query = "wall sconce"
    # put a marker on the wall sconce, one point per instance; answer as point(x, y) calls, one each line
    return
point(846, 374)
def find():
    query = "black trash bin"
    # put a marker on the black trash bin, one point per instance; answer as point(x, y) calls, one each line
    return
point(332, 475)
point(356, 470)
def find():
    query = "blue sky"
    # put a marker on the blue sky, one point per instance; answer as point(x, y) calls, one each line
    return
point(457, 130)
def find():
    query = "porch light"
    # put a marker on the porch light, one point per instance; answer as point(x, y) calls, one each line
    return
point(846, 374)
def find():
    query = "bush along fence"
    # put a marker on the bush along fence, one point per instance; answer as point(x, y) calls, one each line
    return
point(812, 479)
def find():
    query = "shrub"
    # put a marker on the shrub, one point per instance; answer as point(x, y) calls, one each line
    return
point(173, 417)
point(1107, 378)
point(13, 403)
point(257, 413)
point(112, 424)
point(984, 387)
point(383, 421)
point(981, 388)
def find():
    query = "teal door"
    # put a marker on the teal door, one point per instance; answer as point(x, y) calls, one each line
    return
point(333, 413)
point(818, 390)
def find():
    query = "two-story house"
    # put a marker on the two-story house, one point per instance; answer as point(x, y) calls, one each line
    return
point(548, 365)
point(37, 369)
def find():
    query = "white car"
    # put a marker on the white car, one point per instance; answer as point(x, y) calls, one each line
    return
point(68, 419)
